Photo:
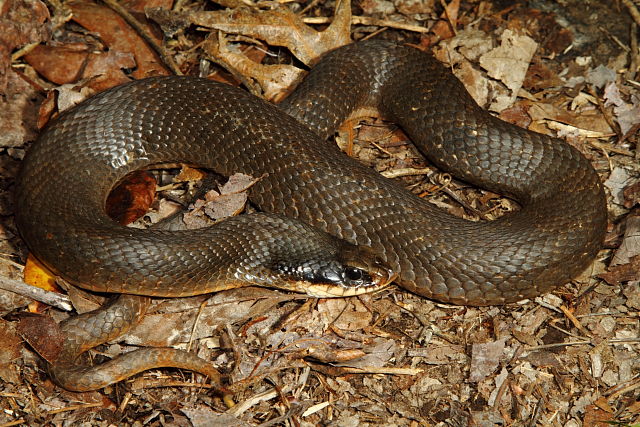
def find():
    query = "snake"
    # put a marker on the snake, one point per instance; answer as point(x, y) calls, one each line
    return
point(327, 224)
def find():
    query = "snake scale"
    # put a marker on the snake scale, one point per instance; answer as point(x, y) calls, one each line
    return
point(381, 227)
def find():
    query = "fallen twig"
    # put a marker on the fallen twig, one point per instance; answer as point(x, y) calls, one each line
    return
point(47, 297)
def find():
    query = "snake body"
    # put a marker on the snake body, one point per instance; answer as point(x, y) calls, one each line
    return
point(67, 174)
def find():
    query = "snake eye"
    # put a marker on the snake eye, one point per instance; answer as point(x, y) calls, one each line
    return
point(353, 274)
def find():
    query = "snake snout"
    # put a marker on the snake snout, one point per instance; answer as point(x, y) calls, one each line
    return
point(350, 271)
point(356, 270)
point(363, 267)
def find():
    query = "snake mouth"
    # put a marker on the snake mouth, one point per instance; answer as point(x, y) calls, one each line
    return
point(348, 270)
point(380, 280)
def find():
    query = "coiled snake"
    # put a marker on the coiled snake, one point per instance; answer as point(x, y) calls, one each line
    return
point(68, 173)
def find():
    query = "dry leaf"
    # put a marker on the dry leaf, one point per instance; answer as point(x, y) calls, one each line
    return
point(485, 358)
point(274, 79)
point(230, 201)
point(596, 417)
point(601, 76)
point(21, 22)
point(508, 63)
point(631, 195)
point(376, 354)
point(517, 114)
point(413, 7)
point(586, 123)
point(324, 353)
point(618, 180)
point(11, 347)
point(627, 114)
point(279, 27)
point(36, 274)
point(72, 62)
point(630, 246)
point(43, 334)
point(203, 415)
point(346, 314)
point(132, 198)
point(467, 46)
point(118, 36)
point(187, 173)
point(628, 272)
point(172, 321)
point(442, 28)
point(68, 96)
point(18, 111)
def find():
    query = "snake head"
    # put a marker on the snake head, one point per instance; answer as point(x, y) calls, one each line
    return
point(350, 270)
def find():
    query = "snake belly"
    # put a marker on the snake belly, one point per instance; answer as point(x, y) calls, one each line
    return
point(553, 237)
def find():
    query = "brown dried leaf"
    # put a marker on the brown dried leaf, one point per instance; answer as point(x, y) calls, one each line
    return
point(347, 314)
point(274, 79)
point(71, 62)
point(569, 123)
point(525, 338)
point(279, 27)
point(543, 359)
point(412, 7)
point(202, 415)
point(21, 22)
point(172, 320)
point(47, 109)
point(601, 76)
point(238, 183)
point(11, 345)
point(36, 274)
point(376, 355)
point(631, 195)
point(619, 179)
point(187, 173)
point(132, 198)
point(624, 272)
point(142, 5)
point(229, 202)
point(118, 36)
point(540, 76)
point(467, 46)
point(18, 111)
point(632, 293)
point(596, 417)
point(627, 114)
point(84, 301)
point(68, 95)
point(220, 206)
point(518, 114)
point(630, 246)
point(508, 63)
point(485, 358)
point(443, 28)
point(325, 353)
point(43, 334)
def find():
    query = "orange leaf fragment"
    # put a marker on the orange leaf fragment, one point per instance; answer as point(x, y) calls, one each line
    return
point(36, 274)
point(187, 173)
point(132, 198)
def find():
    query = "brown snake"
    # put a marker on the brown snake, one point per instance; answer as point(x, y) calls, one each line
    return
point(70, 170)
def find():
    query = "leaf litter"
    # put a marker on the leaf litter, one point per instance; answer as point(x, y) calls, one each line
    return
point(569, 358)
